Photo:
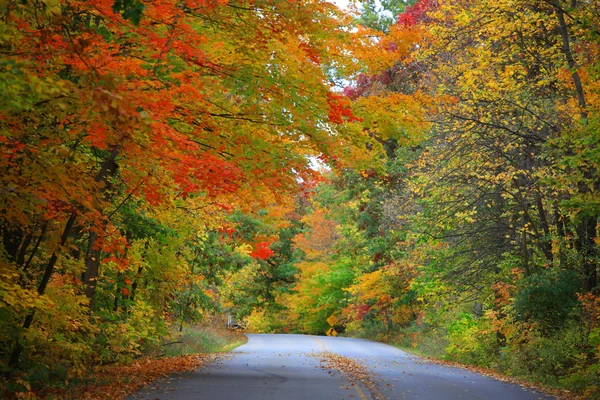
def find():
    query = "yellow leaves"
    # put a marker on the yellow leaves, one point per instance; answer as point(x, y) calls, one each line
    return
point(309, 269)
point(496, 55)
point(466, 216)
point(244, 249)
point(394, 115)
point(371, 286)
point(14, 296)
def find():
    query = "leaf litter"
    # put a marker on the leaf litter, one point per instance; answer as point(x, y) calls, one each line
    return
point(357, 374)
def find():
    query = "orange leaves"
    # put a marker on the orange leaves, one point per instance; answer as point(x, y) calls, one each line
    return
point(320, 236)
point(152, 195)
point(310, 52)
point(97, 136)
point(356, 372)
point(502, 292)
point(153, 120)
point(339, 109)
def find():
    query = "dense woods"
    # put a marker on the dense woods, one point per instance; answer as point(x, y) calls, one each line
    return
point(427, 174)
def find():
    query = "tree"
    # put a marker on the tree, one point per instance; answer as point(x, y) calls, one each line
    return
point(176, 113)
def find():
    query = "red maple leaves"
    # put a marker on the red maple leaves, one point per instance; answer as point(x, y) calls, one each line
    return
point(261, 251)
point(339, 109)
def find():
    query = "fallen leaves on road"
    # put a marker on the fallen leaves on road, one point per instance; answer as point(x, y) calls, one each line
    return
point(354, 371)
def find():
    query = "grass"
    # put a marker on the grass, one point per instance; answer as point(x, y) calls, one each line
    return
point(431, 350)
point(198, 339)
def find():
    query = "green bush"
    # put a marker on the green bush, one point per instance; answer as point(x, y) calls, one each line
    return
point(548, 298)
point(471, 340)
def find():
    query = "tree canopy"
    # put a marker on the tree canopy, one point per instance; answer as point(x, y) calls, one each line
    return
point(425, 171)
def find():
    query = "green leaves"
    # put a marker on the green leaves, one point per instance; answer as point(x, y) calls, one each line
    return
point(131, 10)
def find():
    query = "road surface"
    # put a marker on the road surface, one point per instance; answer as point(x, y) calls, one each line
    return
point(299, 367)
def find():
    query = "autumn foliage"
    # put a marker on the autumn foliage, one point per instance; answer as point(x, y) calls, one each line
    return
point(429, 178)
point(133, 134)
point(474, 237)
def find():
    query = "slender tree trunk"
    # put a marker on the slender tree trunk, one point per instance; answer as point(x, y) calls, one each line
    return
point(117, 296)
point(560, 229)
point(92, 267)
point(138, 275)
point(25, 268)
point(16, 354)
point(546, 244)
point(129, 236)
point(134, 285)
point(566, 45)
point(585, 245)
point(586, 229)
point(23, 250)
point(525, 251)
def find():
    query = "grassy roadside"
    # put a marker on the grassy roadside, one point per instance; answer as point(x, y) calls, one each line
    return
point(203, 340)
point(559, 393)
point(188, 350)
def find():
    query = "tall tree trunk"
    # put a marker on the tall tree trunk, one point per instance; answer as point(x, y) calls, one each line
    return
point(586, 229)
point(25, 265)
point(118, 291)
point(586, 246)
point(566, 47)
point(92, 267)
point(545, 242)
point(23, 250)
point(561, 231)
point(94, 252)
point(525, 249)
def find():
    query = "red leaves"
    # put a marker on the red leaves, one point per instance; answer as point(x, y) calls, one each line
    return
point(261, 251)
point(152, 195)
point(361, 310)
point(97, 136)
point(363, 83)
point(416, 13)
point(351, 93)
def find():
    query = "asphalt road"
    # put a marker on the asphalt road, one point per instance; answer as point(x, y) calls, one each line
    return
point(299, 367)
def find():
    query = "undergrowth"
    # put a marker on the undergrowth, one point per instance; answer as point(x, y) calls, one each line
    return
point(181, 350)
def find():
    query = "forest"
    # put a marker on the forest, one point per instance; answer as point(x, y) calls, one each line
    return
point(426, 171)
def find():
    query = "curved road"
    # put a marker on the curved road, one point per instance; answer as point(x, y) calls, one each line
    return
point(299, 367)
